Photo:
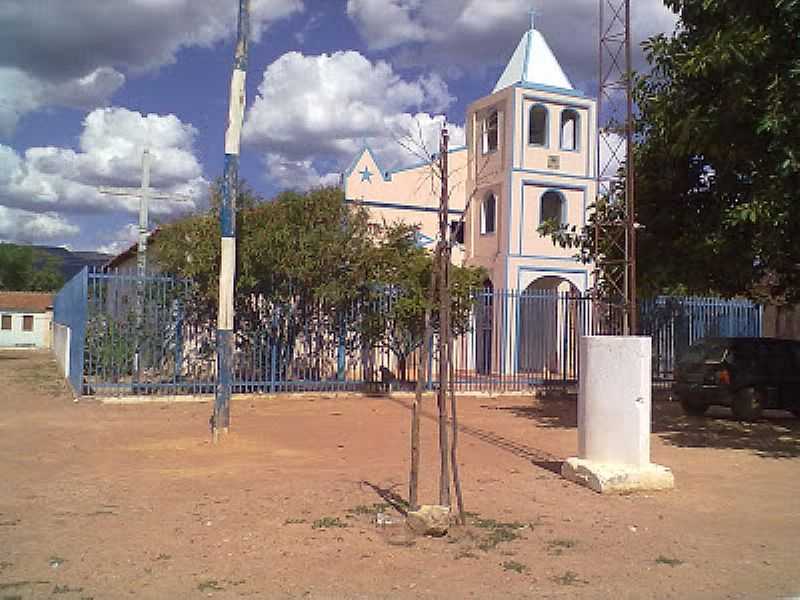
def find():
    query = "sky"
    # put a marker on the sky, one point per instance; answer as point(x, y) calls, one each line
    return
point(86, 85)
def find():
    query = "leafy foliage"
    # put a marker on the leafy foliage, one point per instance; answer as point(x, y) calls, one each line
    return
point(718, 166)
point(717, 162)
point(309, 262)
point(25, 268)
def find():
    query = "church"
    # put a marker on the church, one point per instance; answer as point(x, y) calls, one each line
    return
point(529, 157)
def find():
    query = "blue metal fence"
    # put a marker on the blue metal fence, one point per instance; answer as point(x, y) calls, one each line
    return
point(137, 336)
point(70, 310)
point(676, 322)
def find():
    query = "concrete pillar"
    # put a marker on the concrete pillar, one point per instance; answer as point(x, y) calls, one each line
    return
point(614, 413)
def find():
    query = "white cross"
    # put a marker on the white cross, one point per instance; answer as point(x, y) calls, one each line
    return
point(145, 194)
point(533, 12)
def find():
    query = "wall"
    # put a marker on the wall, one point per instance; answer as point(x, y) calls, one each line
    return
point(782, 322)
point(409, 195)
point(16, 337)
point(71, 309)
point(61, 335)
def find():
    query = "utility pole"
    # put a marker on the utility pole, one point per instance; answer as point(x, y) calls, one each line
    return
point(221, 417)
point(615, 234)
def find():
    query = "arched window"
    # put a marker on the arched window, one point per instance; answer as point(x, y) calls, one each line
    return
point(552, 208)
point(569, 129)
point(490, 133)
point(537, 125)
point(488, 207)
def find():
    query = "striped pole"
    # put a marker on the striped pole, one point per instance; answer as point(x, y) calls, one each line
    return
point(227, 218)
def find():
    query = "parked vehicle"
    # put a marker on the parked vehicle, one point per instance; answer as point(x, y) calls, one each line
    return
point(747, 374)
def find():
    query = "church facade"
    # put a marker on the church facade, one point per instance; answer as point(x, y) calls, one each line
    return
point(529, 158)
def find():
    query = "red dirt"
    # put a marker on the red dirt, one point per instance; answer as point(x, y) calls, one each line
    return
point(102, 501)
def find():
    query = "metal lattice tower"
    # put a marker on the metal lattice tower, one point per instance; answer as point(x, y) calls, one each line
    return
point(615, 232)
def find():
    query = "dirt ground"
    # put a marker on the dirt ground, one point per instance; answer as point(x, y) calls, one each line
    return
point(103, 501)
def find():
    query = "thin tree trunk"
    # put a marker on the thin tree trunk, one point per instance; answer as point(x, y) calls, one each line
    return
point(444, 326)
point(413, 480)
point(444, 446)
point(454, 425)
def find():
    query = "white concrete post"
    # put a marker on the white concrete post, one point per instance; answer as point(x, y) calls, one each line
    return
point(614, 413)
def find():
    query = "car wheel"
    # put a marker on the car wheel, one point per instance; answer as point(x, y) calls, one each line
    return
point(693, 409)
point(748, 404)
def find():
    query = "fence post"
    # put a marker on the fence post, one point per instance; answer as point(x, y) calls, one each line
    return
point(340, 355)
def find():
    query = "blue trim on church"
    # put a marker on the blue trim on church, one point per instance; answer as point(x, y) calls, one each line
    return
point(399, 206)
point(357, 160)
point(552, 89)
point(419, 164)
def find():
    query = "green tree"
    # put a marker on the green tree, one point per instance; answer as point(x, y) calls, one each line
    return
point(26, 268)
point(402, 279)
point(716, 155)
point(310, 262)
point(718, 163)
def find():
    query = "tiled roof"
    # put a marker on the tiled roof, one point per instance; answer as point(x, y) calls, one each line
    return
point(30, 301)
point(130, 252)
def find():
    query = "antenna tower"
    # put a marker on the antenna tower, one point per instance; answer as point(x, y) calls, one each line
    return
point(615, 228)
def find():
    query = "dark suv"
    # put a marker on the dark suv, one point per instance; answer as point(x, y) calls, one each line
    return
point(747, 374)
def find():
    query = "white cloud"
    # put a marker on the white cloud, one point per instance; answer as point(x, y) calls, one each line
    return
point(21, 94)
point(388, 23)
point(313, 109)
point(414, 137)
point(120, 240)
point(296, 174)
point(613, 150)
point(75, 53)
point(46, 179)
point(26, 227)
point(446, 33)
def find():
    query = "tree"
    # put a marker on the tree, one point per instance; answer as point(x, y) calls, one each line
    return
point(716, 158)
point(718, 164)
point(306, 261)
point(402, 276)
point(26, 268)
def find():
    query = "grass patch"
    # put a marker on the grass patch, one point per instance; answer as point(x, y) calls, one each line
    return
point(402, 543)
point(163, 556)
point(65, 589)
point(328, 522)
point(512, 565)
point(498, 531)
point(366, 509)
point(466, 554)
point(478, 521)
point(498, 536)
point(665, 560)
point(557, 547)
point(568, 578)
point(210, 585)
point(294, 521)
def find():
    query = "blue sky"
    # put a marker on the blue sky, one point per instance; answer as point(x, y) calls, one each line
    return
point(86, 84)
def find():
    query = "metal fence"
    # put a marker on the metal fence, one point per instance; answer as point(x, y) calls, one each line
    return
point(70, 311)
point(137, 336)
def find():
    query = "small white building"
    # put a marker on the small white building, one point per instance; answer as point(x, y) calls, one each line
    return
point(26, 319)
